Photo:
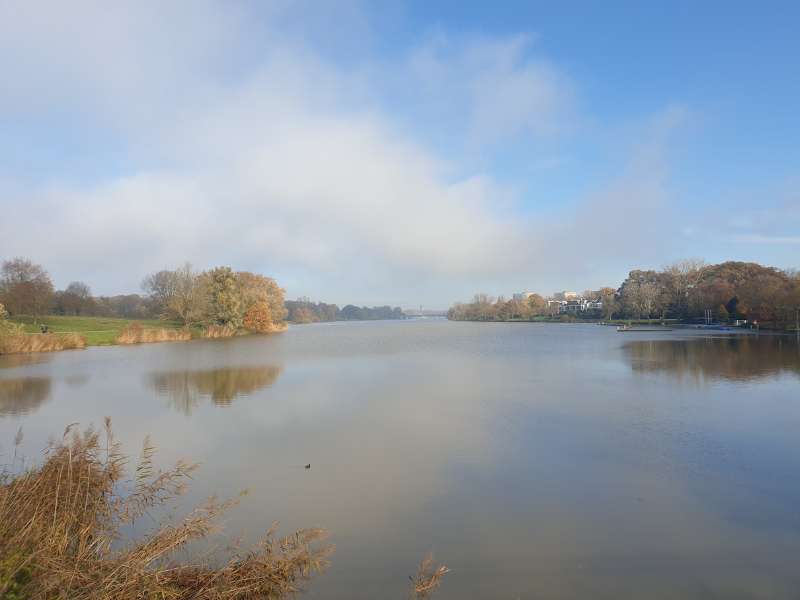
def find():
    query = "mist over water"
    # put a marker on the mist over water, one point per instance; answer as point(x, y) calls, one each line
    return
point(535, 460)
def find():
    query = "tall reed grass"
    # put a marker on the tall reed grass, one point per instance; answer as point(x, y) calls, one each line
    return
point(60, 534)
point(134, 333)
point(226, 331)
point(15, 341)
point(219, 331)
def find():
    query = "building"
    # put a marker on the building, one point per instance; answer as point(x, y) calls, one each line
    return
point(574, 306)
point(566, 296)
point(522, 296)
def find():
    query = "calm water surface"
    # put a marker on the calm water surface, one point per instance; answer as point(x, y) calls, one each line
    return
point(537, 461)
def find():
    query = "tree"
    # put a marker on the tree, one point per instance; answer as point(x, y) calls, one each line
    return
point(25, 288)
point(75, 300)
point(722, 314)
point(258, 318)
point(537, 305)
point(225, 299)
point(256, 289)
point(181, 294)
point(304, 315)
point(190, 296)
point(680, 279)
point(608, 296)
point(160, 287)
point(642, 293)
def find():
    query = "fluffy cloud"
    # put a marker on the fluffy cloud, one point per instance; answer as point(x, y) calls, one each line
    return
point(247, 146)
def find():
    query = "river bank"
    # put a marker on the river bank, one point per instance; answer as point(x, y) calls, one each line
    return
point(68, 333)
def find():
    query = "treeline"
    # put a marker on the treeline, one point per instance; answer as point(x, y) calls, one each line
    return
point(485, 308)
point(685, 291)
point(305, 311)
point(219, 297)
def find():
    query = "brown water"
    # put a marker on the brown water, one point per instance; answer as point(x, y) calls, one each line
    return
point(537, 461)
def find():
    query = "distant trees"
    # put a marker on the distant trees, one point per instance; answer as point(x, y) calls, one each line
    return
point(25, 288)
point(684, 290)
point(75, 300)
point(305, 311)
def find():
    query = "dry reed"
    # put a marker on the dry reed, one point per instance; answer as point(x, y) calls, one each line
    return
point(60, 534)
point(59, 522)
point(428, 579)
point(219, 331)
point(17, 342)
point(226, 331)
point(134, 333)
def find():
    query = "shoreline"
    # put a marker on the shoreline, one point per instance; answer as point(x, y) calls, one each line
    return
point(122, 333)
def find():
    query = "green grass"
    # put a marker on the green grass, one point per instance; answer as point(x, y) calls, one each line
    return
point(99, 331)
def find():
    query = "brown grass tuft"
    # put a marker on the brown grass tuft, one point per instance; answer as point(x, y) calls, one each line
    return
point(220, 331)
point(14, 341)
point(58, 524)
point(428, 578)
point(134, 333)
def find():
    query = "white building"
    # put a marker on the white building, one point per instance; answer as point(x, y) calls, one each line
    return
point(566, 295)
point(522, 296)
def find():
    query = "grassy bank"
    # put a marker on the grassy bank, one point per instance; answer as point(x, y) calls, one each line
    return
point(78, 332)
point(98, 331)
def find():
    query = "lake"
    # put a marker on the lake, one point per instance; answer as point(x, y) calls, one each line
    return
point(535, 460)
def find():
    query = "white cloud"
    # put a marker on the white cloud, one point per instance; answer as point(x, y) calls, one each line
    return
point(494, 84)
point(250, 148)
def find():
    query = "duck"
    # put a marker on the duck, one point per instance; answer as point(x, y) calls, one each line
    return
point(308, 466)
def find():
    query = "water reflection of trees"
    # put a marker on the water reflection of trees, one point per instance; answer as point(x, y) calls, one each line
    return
point(185, 389)
point(732, 358)
point(22, 396)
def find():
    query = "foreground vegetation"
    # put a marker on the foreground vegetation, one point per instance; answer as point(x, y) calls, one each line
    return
point(686, 291)
point(61, 523)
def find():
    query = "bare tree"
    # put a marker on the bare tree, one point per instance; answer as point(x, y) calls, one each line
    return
point(683, 276)
point(75, 300)
point(160, 288)
point(25, 288)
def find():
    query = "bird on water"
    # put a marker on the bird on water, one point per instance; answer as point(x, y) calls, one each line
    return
point(308, 466)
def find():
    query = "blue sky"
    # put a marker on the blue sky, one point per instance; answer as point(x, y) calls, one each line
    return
point(402, 153)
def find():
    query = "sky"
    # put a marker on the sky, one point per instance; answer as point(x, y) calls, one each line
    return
point(403, 153)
